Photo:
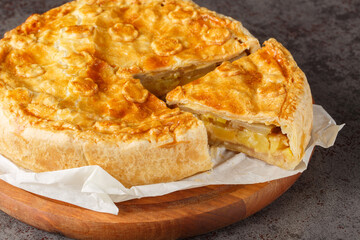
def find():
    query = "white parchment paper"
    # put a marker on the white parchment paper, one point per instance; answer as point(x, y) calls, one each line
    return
point(92, 188)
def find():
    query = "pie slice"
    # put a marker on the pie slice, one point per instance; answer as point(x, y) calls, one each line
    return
point(260, 105)
point(72, 86)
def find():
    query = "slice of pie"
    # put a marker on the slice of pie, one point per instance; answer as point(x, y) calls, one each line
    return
point(74, 86)
point(260, 105)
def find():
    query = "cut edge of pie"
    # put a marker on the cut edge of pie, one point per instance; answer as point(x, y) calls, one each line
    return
point(260, 104)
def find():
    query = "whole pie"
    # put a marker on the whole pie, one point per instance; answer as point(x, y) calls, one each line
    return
point(81, 85)
point(260, 104)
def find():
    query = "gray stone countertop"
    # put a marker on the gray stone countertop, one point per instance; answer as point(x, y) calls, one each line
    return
point(324, 38)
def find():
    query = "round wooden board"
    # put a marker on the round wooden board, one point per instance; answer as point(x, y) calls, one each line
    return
point(176, 215)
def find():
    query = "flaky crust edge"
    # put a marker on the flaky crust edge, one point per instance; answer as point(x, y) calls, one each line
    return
point(296, 118)
point(137, 163)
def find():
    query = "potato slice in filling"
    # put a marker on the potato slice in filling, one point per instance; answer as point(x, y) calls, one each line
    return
point(260, 138)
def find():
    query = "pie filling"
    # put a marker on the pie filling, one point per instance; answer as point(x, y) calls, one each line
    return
point(260, 138)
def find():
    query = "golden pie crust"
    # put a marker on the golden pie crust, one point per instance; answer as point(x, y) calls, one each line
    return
point(70, 94)
point(266, 87)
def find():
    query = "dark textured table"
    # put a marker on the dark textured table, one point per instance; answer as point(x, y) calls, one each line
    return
point(324, 38)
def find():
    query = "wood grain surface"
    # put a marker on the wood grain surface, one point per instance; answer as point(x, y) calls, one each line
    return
point(176, 215)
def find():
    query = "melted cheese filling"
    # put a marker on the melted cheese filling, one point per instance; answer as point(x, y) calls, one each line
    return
point(266, 140)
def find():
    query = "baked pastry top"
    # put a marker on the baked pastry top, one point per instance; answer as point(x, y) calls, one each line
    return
point(70, 94)
point(80, 58)
point(137, 38)
point(266, 87)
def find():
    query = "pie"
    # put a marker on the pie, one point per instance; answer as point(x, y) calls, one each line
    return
point(81, 85)
point(260, 104)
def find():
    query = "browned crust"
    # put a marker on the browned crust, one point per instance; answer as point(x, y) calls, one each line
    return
point(296, 118)
point(137, 163)
point(125, 129)
point(249, 93)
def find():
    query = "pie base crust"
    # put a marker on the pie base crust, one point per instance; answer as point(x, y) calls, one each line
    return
point(137, 163)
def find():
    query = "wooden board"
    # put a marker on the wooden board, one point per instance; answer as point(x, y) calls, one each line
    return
point(176, 215)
